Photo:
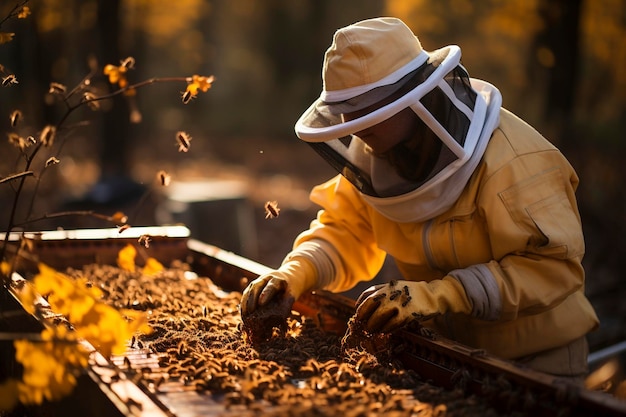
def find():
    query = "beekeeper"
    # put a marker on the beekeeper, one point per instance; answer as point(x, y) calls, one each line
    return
point(477, 209)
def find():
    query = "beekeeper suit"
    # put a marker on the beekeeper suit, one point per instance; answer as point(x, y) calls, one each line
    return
point(476, 208)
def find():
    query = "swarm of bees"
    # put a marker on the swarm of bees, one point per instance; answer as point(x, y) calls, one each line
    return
point(271, 210)
point(197, 345)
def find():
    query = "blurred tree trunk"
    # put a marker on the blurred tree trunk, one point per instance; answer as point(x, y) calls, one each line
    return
point(556, 48)
point(114, 155)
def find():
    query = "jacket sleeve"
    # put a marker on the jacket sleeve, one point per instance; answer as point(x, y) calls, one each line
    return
point(535, 233)
point(343, 226)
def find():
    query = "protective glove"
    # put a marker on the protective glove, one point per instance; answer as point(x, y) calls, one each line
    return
point(386, 307)
point(291, 280)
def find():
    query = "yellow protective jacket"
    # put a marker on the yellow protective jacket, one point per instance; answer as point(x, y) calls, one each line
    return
point(516, 226)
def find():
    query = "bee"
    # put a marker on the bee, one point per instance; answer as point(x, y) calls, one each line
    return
point(164, 178)
point(144, 240)
point(8, 80)
point(56, 88)
point(182, 348)
point(187, 97)
point(52, 161)
point(128, 63)
point(184, 141)
point(395, 294)
point(47, 135)
point(271, 210)
point(406, 301)
point(16, 140)
point(15, 117)
point(91, 100)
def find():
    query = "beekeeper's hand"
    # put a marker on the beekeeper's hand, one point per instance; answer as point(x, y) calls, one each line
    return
point(386, 307)
point(292, 279)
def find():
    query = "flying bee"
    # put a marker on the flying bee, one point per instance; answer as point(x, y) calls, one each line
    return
point(184, 141)
point(47, 135)
point(271, 210)
point(56, 88)
point(90, 99)
point(187, 97)
point(164, 178)
point(16, 140)
point(15, 117)
point(8, 80)
point(128, 63)
point(52, 161)
point(144, 240)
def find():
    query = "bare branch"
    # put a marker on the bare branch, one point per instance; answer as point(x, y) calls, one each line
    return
point(17, 176)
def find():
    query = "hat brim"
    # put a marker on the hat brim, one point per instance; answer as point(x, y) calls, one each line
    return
point(322, 115)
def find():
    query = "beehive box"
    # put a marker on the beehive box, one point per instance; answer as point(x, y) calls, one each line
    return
point(198, 362)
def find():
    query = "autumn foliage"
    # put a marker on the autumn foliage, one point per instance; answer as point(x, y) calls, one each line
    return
point(53, 360)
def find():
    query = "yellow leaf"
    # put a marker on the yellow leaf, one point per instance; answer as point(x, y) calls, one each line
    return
point(23, 14)
point(193, 88)
point(119, 217)
point(152, 267)
point(203, 83)
point(5, 268)
point(6, 37)
point(126, 258)
point(8, 395)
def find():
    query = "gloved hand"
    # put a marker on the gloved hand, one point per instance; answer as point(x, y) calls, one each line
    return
point(292, 279)
point(386, 307)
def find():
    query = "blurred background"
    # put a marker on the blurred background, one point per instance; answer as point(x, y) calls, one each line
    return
point(559, 64)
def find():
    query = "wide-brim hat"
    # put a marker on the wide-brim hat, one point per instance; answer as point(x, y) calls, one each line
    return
point(367, 62)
